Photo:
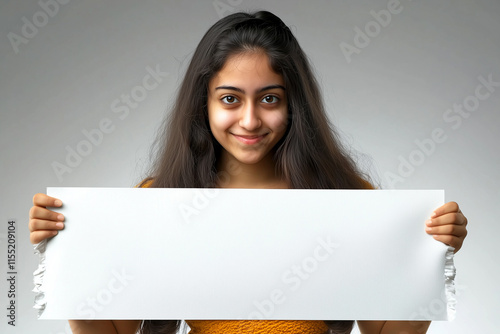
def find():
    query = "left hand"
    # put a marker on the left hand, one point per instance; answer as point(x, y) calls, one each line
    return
point(448, 225)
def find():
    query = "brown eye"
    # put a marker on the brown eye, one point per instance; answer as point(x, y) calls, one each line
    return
point(270, 99)
point(229, 99)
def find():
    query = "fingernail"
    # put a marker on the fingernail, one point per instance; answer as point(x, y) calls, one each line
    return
point(59, 225)
point(57, 202)
point(433, 214)
point(54, 232)
point(428, 222)
point(428, 229)
point(60, 217)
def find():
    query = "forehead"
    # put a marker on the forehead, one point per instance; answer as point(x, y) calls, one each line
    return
point(248, 69)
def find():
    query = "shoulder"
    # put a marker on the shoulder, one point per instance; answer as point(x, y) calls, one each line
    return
point(146, 183)
point(367, 185)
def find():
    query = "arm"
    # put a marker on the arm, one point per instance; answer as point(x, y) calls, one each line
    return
point(104, 326)
point(393, 327)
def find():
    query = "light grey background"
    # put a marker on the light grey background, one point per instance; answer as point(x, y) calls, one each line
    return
point(395, 90)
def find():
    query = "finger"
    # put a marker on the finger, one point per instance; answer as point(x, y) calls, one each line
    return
point(450, 240)
point(37, 212)
point(38, 236)
point(46, 201)
point(454, 230)
point(40, 224)
point(446, 208)
point(455, 218)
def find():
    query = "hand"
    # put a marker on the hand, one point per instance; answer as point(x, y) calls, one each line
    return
point(43, 222)
point(448, 225)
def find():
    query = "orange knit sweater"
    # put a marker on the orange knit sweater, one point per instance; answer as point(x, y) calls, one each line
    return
point(256, 326)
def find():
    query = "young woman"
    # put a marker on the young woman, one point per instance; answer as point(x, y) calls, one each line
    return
point(250, 103)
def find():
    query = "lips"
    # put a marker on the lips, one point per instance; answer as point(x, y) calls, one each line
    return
point(249, 139)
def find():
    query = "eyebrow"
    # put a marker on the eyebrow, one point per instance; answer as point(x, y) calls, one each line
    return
point(242, 91)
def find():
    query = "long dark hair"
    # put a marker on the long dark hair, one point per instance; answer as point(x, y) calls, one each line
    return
point(310, 155)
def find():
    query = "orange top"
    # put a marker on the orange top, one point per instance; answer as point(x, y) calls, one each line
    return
point(256, 326)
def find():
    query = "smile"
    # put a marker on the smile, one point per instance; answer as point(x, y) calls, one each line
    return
point(249, 140)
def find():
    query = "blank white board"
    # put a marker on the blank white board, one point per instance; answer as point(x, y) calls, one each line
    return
point(129, 253)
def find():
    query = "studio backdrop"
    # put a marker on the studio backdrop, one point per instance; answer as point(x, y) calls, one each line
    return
point(413, 88)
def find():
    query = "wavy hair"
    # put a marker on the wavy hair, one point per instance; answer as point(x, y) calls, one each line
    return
point(310, 154)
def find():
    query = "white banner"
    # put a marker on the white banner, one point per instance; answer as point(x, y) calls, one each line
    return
point(129, 253)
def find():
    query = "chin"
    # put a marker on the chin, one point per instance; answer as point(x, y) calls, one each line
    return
point(249, 160)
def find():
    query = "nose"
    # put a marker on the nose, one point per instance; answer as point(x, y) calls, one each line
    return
point(250, 119)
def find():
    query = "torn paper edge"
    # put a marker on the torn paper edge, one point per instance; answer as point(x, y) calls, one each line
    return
point(38, 275)
point(449, 274)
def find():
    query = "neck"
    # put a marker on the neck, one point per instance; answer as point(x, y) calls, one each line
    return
point(261, 175)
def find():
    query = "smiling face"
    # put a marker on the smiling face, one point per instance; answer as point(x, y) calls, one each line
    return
point(247, 107)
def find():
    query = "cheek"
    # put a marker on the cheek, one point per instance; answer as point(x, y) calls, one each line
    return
point(220, 120)
point(278, 121)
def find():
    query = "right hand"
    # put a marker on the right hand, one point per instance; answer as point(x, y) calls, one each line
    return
point(43, 222)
